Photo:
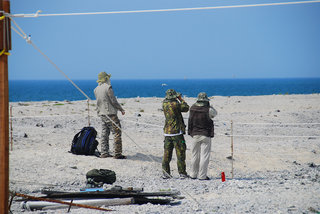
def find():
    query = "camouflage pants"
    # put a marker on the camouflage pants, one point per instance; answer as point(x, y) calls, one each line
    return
point(179, 144)
point(108, 126)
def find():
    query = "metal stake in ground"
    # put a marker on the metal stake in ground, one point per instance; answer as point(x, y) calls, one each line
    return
point(88, 113)
point(232, 149)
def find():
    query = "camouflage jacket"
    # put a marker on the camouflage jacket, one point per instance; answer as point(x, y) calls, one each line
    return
point(172, 111)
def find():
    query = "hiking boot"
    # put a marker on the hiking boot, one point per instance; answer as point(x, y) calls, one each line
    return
point(205, 179)
point(184, 176)
point(106, 155)
point(120, 157)
point(165, 176)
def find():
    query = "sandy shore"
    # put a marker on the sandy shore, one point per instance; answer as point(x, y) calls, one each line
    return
point(276, 167)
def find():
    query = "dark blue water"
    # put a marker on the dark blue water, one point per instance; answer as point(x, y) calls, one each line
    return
point(59, 90)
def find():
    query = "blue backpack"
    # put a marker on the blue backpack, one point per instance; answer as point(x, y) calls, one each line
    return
point(84, 142)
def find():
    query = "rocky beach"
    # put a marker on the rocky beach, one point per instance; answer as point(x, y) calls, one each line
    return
point(275, 166)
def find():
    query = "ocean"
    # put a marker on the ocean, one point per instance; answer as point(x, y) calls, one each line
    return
point(60, 90)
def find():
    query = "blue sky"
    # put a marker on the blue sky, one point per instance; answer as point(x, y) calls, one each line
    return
point(256, 42)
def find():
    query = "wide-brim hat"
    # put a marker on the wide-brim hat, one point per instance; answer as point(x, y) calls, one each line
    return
point(202, 97)
point(172, 94)
point(103, 77)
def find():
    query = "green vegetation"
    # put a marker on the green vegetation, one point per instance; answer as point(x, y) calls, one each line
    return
point(23, 104)
point(165, 190)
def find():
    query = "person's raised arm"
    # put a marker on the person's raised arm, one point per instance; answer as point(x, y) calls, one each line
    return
point(184, 105)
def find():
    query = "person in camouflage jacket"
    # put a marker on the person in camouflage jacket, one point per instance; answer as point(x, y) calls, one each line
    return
point(174, 129)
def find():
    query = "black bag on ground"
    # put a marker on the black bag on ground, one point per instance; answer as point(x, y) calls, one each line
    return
point(84, 142)
point(100, 176)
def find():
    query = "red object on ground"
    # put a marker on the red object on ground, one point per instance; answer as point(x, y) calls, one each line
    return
point(223, 177)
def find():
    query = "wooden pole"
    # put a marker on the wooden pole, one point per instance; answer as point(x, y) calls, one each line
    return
point(88, 113)
point(232, 149)
point(5, 46)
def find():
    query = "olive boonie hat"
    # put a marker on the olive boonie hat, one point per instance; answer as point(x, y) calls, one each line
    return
point(171, 94)
point(103, 76)
point(202, 96)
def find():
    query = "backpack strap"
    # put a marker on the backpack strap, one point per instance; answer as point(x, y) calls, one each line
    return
point(74, 141)
point(76, 136)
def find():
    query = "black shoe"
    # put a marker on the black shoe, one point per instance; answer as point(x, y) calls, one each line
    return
point(184, 176)
point(106, 155)
point(166, 176)
point(205, 179)
point(120, 157)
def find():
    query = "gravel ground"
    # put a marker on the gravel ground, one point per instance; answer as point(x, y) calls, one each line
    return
point(275, 170)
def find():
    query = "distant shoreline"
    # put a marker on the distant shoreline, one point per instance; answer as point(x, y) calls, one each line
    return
point(211, 97)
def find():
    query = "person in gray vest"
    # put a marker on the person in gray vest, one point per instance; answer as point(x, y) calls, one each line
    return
point(201, 129)
point(107, 108)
